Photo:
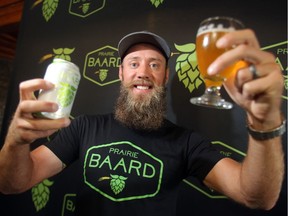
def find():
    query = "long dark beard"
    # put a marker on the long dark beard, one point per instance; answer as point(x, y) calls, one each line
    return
point(146, 112)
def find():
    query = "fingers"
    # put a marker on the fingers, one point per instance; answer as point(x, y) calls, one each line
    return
point(257, 86)
point(24, 127)
point(33, 106)
point(38, 125)
point(242, 52)
point(25, 122)
point(236, 38)
point(25, 130)
point(269, 80)
point(240, 45)
point(27, 88)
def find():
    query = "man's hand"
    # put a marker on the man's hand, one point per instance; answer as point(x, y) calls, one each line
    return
point(24, 128)
point(260, 96)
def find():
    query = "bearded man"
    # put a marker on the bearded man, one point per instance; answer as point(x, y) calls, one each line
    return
point(134, 159)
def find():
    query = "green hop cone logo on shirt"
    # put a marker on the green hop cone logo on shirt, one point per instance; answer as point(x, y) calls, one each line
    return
point(117, 182)
point(40, 194)
point(66, 94)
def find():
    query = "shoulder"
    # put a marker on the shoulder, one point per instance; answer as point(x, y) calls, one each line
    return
point(186, 135)
point(170, 126)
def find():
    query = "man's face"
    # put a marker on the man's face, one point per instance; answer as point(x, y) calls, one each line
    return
point(143, 68)
point(142, 101)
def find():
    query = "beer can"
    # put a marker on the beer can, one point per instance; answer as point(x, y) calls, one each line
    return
point(65, 76)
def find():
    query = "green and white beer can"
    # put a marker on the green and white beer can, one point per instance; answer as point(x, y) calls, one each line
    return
point(65, 76)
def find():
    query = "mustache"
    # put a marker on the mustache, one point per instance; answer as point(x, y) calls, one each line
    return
point(140, 82)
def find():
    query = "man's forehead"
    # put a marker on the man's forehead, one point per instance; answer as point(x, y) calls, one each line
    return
point(145, 49)
point(143, 37)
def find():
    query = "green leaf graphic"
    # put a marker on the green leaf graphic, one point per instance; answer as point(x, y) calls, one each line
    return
point(58, 51)
point(285, 86)
point(48, 9)
point(41, 194)
point(117, 183)
point(63, 53)
point(63, 56)
point(66, 94)
point(190, 47)
point(187, 67)
point(68, 51)
point(156, 3)
point(286, 82)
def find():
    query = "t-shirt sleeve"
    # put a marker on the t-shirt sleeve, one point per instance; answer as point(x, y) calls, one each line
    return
point(65, 144)
point(202, 157)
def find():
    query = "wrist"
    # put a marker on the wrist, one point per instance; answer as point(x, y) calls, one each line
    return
point(267, 123)
point(265, 131)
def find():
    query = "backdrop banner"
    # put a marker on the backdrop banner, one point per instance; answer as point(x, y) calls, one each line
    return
point(86, 32)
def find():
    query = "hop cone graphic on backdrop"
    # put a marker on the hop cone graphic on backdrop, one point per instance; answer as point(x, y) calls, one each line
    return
point(286, 82)
point(285, 86)
point(85, 7)
point(48, 9)
point(103, 74)
point(117, 183)
point(40, 194)
point(156, 3)
point(63, 53)
point(66, 94)
point(187, 66)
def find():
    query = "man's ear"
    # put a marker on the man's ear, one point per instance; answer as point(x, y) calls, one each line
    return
point(120, 74)
point(167, 75)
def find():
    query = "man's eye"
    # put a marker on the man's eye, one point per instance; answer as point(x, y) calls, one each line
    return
point(133, 65)
point(154, 66)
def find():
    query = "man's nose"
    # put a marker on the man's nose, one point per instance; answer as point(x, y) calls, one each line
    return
point(144, 72)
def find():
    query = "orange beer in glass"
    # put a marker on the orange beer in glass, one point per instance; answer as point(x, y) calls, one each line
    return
point(210, 30)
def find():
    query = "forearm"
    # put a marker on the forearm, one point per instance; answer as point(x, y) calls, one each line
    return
point(18, 171)
point(263, 170)
point(15, 168)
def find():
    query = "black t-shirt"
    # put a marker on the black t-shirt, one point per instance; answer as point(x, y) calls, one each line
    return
point(131, 172)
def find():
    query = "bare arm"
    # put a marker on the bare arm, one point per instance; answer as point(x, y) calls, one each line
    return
point(257, 181)
point(20, 169)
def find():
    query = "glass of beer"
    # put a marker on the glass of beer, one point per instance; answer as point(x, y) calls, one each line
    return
point(210, 30)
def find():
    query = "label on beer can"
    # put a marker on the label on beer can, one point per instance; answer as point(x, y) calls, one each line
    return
point(66, 77)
